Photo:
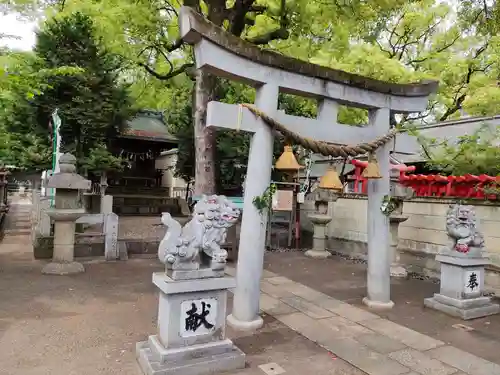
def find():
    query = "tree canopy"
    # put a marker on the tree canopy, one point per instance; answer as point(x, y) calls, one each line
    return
point(94, 105)
point(393, 40)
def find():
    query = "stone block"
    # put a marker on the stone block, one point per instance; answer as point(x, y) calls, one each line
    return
point(107, 204)
point(354, 314)
point(62, 269)
point(231, 271)
point(434, 236)
point(364, 358)
point(305, 292)
point(266, 274)
point(191, 329)
point(464, 361)
point(201, 273)
point(405, 335)
point(274, 306)
point(461, 289)
point(43, 247)
point(421, 363)
point(279, 280)
point(467, 311)
point(111, 251)
point(307, 308)
point(344, 328)
point(178, 298)
point(380, 343)
point(276, 291)
point(425, 222)
point(307, 327)
point(206, 365)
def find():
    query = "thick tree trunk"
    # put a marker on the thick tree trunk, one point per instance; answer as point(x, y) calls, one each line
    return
point(204, 138)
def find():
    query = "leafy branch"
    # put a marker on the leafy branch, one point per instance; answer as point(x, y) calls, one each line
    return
point(264, 201)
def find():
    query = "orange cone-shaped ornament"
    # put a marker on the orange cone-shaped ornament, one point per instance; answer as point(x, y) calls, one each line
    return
point(372, 170)
point(330, 180)
point(287, 161)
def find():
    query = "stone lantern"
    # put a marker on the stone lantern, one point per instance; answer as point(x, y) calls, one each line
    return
point(65, 213)
point(327, 191)
point(398, 195)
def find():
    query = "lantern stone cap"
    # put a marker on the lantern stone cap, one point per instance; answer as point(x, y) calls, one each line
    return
point(397, 218)
point(194, 27)
point(318, 218)
point(59, 214)
point(67, 178)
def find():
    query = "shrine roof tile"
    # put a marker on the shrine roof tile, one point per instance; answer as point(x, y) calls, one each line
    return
point(148, 125)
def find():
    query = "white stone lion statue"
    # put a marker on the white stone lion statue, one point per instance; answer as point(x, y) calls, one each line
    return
point(462, 229)
point(186, 248)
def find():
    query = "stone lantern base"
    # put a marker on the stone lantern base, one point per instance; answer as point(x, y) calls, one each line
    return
point(64, 236)
point(319, 222)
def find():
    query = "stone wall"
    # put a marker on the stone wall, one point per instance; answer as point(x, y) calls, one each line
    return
point(420, 237)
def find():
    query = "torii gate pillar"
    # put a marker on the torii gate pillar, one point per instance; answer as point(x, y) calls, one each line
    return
point(223, 54)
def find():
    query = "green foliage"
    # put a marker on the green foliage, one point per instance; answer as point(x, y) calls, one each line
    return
point(263, 202)
point(391, 40)
point(94, 104)
point(22, 143)
point(98, 157)
point(475, 154)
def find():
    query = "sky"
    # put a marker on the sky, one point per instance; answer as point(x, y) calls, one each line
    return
point(10, 24)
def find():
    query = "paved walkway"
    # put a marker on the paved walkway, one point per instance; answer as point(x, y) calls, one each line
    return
point(345, 280)
point(373, 344)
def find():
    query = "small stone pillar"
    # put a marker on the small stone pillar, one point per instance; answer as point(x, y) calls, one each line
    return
point(191, 336)
point(396, 218)
point(462, 269)
point(3, 190)
point(320, 220)
point(66, 211)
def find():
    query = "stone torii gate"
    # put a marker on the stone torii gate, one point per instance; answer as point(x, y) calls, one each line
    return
point(224, 55)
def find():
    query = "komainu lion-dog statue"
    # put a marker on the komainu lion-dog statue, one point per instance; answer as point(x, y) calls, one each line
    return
point(197, 245)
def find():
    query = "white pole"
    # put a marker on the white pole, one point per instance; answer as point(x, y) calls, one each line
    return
point(245, 315)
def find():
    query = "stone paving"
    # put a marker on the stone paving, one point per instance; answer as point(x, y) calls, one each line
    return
point(345, 280)
point(373, 344)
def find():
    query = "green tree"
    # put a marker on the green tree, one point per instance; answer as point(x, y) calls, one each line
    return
point(94, 104)
point(474, 154)
point(22, 142)
point(393, 40)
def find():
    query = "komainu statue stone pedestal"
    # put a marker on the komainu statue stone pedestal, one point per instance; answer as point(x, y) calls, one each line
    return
point(191, 329)
point(193, 294)
point(462, 287)
point(462, 270)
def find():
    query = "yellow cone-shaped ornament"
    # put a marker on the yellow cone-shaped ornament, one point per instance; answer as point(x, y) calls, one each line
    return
point(330, 180)
point(287, 161)
point(372, 170)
